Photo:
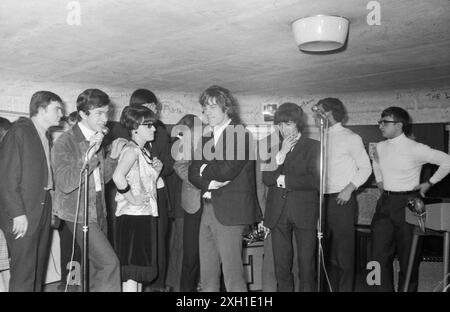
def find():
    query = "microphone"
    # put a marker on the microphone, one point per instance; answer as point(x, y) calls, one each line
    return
point(316, 109)
point(104, 131)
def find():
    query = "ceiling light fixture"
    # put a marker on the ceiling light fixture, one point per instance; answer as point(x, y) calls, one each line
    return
point(320, 33)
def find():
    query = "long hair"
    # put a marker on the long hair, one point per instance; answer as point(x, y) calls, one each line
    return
point(223, 97)
point(290, 112)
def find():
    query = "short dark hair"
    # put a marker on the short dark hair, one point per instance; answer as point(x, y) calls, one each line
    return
point(90, 99)
point(400, 115)
point(133, 116)
point(42, 99)
point(144, 96)
point(73, 117)
point(335, 106)
point(5, 124)
point(290, 112)
point(223, 97)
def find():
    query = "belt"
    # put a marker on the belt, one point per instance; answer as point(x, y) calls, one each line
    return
point(331, 194)
point(399, 193)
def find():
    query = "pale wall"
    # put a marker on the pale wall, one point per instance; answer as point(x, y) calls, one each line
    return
point(425, 106)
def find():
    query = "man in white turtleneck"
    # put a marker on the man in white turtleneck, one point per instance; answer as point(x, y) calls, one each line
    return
point(397, 165)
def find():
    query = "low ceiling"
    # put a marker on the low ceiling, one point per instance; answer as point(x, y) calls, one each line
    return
point(245, 45)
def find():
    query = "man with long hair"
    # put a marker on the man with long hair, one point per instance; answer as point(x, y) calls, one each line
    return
point(226, 176)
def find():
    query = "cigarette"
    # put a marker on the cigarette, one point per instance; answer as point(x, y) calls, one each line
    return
point(19, 235)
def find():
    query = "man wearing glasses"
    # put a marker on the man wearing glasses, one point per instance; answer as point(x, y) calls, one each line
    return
point(397, 164)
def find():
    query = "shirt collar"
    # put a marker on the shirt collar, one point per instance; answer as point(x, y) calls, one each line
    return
point(218, 130)
point(88, 133)
point(39, 128)
point(397, 139)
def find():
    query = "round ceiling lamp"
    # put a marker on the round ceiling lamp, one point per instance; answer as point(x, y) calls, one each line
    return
point(320, 33)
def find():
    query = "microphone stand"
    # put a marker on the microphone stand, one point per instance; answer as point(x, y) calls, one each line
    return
point(85, 266)
point(323, 150)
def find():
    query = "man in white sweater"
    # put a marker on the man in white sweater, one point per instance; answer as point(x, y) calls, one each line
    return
point(397, 165)
point(348, 167)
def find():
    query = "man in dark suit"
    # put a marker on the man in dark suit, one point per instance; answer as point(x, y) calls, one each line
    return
point(25, 184)
point(292, 200)
point(226, 176)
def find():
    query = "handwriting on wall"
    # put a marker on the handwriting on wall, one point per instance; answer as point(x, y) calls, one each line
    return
point(426, 105)
point(436, 95)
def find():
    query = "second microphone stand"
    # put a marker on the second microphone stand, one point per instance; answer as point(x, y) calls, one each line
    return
point(323, 151)
point(85, 266)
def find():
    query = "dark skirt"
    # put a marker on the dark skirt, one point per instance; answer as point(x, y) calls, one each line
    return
point(136, 239)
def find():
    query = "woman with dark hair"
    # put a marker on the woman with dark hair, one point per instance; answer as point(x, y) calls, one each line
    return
point(160, 147)
point(189, 132)
point(135, 177)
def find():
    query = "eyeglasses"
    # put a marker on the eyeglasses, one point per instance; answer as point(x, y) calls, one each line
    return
point(384, 122)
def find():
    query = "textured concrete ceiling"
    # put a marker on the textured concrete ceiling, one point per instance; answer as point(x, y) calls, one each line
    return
point(245, 45)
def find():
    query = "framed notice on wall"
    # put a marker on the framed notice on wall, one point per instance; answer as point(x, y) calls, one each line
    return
point(269, 111)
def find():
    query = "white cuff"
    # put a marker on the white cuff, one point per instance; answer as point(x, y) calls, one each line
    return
point(280, 157)
point(202, 168)
point(281, 181)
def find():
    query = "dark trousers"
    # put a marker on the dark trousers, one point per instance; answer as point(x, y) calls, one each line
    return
point(190, 271)
point(162, 223)
point(29, 254)
point(283, 253)
point(340, 242)
point(392, 235)
point(65, 244)
point(104, 268)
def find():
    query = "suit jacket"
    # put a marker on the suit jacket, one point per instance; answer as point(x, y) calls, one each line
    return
point(235, 203)
point(67, 160)
point(190, 195)
point(302, 179)
point(24, 175)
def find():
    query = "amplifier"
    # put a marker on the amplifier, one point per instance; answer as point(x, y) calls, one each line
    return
point(437, 217)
